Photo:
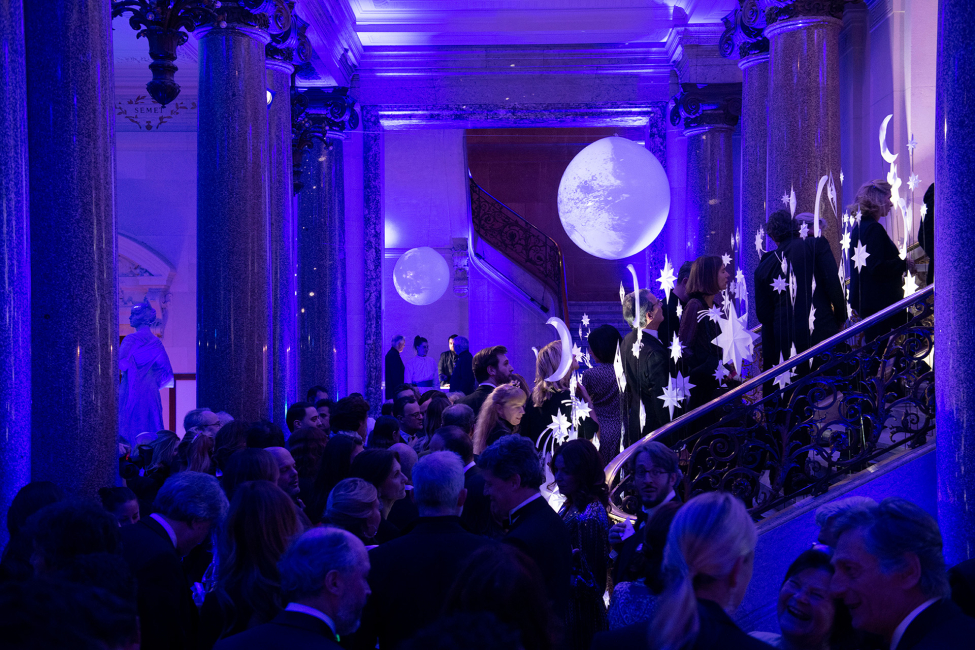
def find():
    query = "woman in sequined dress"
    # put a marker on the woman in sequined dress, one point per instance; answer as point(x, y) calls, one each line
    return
point(578, 471)
point(603, 388)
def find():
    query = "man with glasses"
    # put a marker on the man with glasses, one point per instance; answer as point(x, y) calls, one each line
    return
point(202, 421)
point(648, 373)
point(410, 417)
point(655, 473)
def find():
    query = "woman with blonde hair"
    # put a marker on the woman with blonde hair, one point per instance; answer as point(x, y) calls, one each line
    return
point(549, 398)
point(500, 415)
point(354, 506)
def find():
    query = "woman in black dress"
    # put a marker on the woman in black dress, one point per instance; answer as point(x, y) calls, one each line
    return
point(500, 415)
point(549, 399)
point(701, 356)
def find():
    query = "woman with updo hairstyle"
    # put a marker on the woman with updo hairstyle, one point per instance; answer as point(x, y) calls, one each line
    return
point(354, 506)
point(879, 283)
point(707, 280)
point(578, 471)
point(421, 370)
point(500, 415)
point(261, 524)
point(547, 397)
point(382, 469)
point(708, 562)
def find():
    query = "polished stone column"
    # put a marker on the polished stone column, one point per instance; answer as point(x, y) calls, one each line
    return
point(322, 346)
point(234, 341)
point(754, 166)
point(709, 114)
point(15, 422)
point(284, 236)
point(374, 245)
point(74, 276)
point(804, 109)
point(954, 241)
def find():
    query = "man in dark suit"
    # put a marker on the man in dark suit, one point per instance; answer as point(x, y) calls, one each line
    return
point(395, 369)
point(648, 374)
point(476, 517)
point(445, 365)
point(812, 263)
point(411, 575)
point(187, 506)
point(491, 369)
point(655, 473)
point(323, 580)
point(462, 374)
point(512, 477)
point(890, 572)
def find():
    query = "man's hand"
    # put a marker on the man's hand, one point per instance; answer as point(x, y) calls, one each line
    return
point(616, 534)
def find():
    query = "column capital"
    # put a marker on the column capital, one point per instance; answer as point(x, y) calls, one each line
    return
point(317, 114)
point(705, 106)
point(289, 42)
point(743, 35)
point(780, 10)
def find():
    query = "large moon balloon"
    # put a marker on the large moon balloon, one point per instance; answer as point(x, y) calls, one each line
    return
point(421, 275)
point(614, 198)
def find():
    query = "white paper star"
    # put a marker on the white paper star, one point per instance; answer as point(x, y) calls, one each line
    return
point(910, 285)
point(784, 379)
point(792, 351)
point(924, 210)
point(726, 259)
point(846, 218)
point(785, 265)
point(670, 397)
point(793, 287)
point(676, 349)
point(720, 373)
point(785, 199)
point(643, 415)
point(577, 352)
point(803, 230)
point(585, 320)
point(580, 409)
point(814, 285)
point(845, 241)
point(841, 177)
point(580, 332)
point(831, 192)
point(740, 278)
point(812, 319)
point(913, 182)
point(858, 216)
point(684, 386)
point(637, 347)
point(713, 312)
point(760, 241)
point(587, 360)
point(911, 144)
point(792, 201)
point(560, 427)
point(735, 340)
point(680, 310)
point(779, 284)
point(667, 277)
point(617, 368)
point(622, 293)
point(860, 256)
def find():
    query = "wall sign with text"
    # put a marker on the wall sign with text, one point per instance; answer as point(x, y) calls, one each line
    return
point(140, 112)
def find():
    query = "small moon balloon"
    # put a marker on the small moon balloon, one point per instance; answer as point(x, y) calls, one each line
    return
point(566, 362)
point(421, 276)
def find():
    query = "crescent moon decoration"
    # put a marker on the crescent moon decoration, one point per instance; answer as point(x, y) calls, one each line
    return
point(884, 151)
point(819, 195)
point(566, 361)
point(636, 296)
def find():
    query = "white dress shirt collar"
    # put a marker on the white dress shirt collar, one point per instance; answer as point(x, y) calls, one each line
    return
point(468, 466)
point(537, 495)
point(165, 524)
point(311, 611)
point(899, 631)
point(654, 333)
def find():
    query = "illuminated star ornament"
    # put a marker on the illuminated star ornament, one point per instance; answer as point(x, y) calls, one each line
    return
point(559, 427)
point(793, 288)
point(860, 256)
point(911, 144)
point(784, 379)
point(684, 386)
point(858, 216)
point(785, 199)
point(667, 277)
point(622, 293)
point(924, 210)
point(720, 373)
point(913, 182)
point(760, 240)
point(637, 347)
point(680, 310)
point(670, 397)
point(910, 285)
point(841, 177)
point(577, 352)
point(845, 241)
point(726, 259)
point(803, 230)
point(812, 319)
point(676, 349)
point(585, 320)
point(617, 368)
point(792, 202)
point(779, 284)
point(735, 340)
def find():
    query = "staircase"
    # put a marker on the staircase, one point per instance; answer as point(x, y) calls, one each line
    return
point(599, 313)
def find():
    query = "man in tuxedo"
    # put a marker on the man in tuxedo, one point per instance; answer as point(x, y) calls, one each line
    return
point(395, 369)
point(411, 575)
point(649, 373)
point(323, 580)
point(512, 477)
point(476, 517)
point(187, 506)
point(890, 572)
point(491, 369)
point(462, 374)
point(655, 473)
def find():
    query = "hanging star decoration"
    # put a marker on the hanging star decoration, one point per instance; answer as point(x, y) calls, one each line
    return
point(785, 199)
point(813, 285)
point(637, 348)
point(667, 277)
point(684, 386)
point(841, 177)
point(735, 340)
point(785, 265)
point(910, 285)
point(803, 230)
point(580, 409)
point(831, 193)
point(720, 373)
point(792, 202)
point(924, 210)
point(713, 312)
point(580, 332)
point(911, 144)
point(643, 415)
point(577, 352)
point(858, 216)
point(680, 310)
point(784, 379)
point(846, 219)
point(793, 287)
point(618, 369)
point(676, 349)
point(622, 293)
point(739, 281)
point(559, 428)
point(779, 284)
point(913, 182)
point(812, 318)
point(726, 259)
point(670, 397)
point(760, 240)
point(585, 320)
point(860, 256)
point(845, 241)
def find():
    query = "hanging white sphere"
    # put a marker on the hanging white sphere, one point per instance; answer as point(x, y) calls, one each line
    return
point(421, 275)
point(614, 198)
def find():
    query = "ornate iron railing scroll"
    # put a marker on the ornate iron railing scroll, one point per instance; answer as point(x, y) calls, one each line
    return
point(843, 410)
point(516, 238)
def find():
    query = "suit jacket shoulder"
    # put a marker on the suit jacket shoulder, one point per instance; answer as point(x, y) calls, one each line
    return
point(291, 630)
point(942, 626)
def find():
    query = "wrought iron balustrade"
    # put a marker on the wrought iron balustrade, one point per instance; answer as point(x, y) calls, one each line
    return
point(512, 235)
point(844, 409)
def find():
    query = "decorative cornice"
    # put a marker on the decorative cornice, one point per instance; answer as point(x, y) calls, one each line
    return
point(701, 106)
point(743, 32)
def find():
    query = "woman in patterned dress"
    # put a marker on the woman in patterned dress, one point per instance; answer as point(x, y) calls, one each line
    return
point(600, 382)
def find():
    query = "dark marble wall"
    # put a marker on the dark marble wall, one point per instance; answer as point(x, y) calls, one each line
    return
point(373, 253)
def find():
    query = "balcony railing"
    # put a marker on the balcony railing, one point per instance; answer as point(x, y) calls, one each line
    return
point(845, 409)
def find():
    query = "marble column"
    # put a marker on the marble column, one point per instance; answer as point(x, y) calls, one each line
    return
point(74, 267)
point(804, 109)
point(754, 166)
point(283, 242)
point(15, 422)
point(709, 114)
point(322, 346)
point(234, 341)
point(374, 245)
point(954, 241)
